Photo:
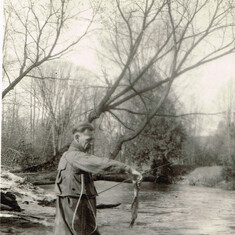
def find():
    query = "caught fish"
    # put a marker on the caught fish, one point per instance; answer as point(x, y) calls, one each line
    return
point(135, 203)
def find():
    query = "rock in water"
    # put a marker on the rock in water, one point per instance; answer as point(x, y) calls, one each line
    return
point(8, 202)
point(46, 202)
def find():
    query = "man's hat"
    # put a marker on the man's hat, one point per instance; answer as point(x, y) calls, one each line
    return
point(82, 126)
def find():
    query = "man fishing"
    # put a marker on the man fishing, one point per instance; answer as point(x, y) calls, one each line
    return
point(74, 186)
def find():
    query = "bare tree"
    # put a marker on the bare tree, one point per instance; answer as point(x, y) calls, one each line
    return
point(169, 36)
point(226, 133)
point(38, 31)
point(62, 98)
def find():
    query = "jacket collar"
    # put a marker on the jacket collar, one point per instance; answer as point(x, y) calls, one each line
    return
point(75, 147)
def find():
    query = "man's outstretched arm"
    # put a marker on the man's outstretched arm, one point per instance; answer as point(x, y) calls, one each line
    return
point(91, 163)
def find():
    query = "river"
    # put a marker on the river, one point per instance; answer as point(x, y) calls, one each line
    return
point(163, 210)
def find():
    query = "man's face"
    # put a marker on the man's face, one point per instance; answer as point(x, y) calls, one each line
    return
point(85, 139)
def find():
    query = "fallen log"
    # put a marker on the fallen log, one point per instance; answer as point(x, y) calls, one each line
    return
point(47, 178)
point(115, 178)
point(43, 183)
point(106, 206)
point(53, 202)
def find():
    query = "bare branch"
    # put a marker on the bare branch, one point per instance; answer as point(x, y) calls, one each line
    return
point(153, 60)
point(120, 121)
point(129, 111)
point(194, 45)
point(146, 89)
point(189, 114)
point(203, 61)
point(9, 80)
point(141, 98)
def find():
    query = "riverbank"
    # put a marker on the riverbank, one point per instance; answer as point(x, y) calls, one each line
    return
point(211, 176)
point(34, 206)
point(44, 178)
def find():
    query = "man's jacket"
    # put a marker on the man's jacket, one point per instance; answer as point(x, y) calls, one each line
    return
point(75, 162)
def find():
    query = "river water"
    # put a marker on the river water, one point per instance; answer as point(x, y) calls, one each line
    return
point(169, 209)
point(163, 210)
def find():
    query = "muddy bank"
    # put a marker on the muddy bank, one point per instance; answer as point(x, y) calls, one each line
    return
point(24, 206)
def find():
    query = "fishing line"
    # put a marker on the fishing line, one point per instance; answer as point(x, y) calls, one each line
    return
point(93, 215)
point(131, 178)
point(76, 208)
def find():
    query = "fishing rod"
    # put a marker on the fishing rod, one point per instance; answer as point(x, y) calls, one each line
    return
point(169, 163)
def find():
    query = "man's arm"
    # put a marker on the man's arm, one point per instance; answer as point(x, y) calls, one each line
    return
point(93, 164)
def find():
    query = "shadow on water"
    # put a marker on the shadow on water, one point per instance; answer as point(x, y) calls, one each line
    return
point(163, 210)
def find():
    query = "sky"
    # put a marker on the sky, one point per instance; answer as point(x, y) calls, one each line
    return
point(204, 87)
point(206, 81)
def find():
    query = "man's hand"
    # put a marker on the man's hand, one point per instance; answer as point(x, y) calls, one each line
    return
point(136, 175)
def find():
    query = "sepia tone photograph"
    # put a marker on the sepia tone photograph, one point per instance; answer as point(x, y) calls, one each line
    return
point(117, 117)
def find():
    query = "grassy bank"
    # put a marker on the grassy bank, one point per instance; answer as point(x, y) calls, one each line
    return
point(210, 176)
